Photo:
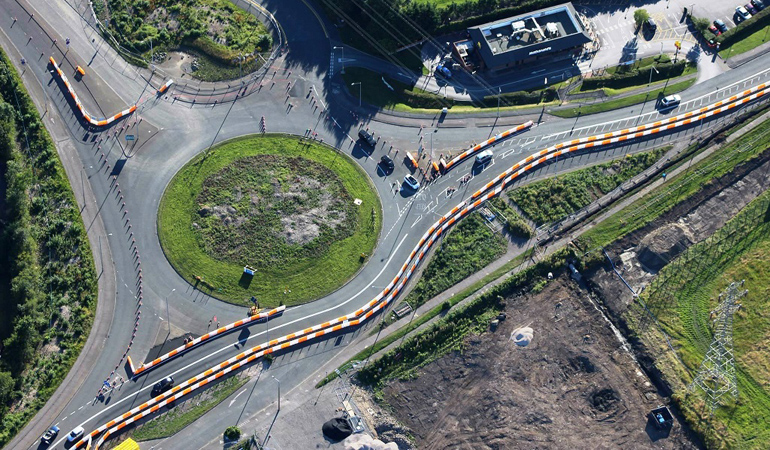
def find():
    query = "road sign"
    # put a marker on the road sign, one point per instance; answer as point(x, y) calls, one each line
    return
point(130, 137)
point(678, 45)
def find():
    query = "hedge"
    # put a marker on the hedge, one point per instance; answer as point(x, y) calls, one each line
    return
point(635, 77)
point(744, 29)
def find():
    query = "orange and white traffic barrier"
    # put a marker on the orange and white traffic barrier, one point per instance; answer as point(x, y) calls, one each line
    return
point(498, 137)
point(165, 87)
point(199, 340)
point(391, 291)
point(86, 116)
point(411, 159)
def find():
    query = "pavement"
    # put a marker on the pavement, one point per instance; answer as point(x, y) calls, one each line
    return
point(172, 132)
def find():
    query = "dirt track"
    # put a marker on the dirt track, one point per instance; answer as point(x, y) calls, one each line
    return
point(573, 387)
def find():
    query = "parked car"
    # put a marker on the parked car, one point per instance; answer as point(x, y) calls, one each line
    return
point(75, 434)
point(367, 137)
point(50, 435)
point(758, 4)
point(742, 13)
point(443, 70)
point(670, 101)
point(750, 8)
point(651, 25)
point(484, 157)
point(720, 25)
point(712, 43)
point(714, 30)
point(387, 164)
point(162, 386)
point(412, 182)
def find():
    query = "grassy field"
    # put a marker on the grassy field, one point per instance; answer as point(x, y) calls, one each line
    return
point(469, 247)
point(738, 251)
point(515, 224)
point(553, 199)
point(178, 418)
point(676, 189)
point(622, 102)
point(750, 42)
point(292, 274)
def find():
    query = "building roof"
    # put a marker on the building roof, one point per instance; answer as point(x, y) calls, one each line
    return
point(516, 38)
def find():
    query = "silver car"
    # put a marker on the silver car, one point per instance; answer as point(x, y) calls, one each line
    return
point(412, 182)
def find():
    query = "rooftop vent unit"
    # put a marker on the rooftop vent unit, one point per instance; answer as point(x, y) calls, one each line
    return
point(551, 30)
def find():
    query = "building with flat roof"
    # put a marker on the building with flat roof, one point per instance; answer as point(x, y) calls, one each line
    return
point(547, 34)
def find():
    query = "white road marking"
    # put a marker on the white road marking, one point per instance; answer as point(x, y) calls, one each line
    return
point(236, 397)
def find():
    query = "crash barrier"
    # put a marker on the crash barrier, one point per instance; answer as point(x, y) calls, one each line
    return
point(431, 236)
point(165, 87)
point(411, 159)
point(205, 338)
point(87, 117)
point(498, 137)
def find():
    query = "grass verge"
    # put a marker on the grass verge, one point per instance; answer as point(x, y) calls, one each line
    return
point(553, 199)
point(622, 102)
point(178, 418)
point(306, 278)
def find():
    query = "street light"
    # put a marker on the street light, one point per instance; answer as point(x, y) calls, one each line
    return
point(279, 391)
point(168, 316)
point(343, 58)
point(499, 92)
point(656, 71)
point(359, 91)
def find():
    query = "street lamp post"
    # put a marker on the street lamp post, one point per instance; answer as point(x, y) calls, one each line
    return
point(359, 91)
point(499, 92)
point(279, 391)
point(651, 69)
point(343, 58)
point(168, 316)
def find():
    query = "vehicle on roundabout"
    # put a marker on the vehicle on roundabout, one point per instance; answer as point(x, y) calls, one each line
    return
point(484, 157)
point(162, 386)
point(411, 182)
point(50, 435)
point(386, 163)
point(75, 434)
point(670, 101)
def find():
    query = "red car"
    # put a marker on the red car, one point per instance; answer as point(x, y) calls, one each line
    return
point(714, 29)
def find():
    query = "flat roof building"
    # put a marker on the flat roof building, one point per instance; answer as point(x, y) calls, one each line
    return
point(550, 33)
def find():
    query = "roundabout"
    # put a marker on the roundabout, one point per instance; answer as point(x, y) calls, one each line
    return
point(301, 214)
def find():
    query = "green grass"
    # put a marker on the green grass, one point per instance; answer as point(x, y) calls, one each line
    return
point(622, 102)
point(678, 188)
point(514, 223)
point(176, 420)
point(470, 246)
point(639, 64)
point(553, 199)
point(738, 251)
point(750, 42)
point(306, 277)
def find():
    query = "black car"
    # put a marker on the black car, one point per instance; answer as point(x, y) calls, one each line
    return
point(651, 24)
point(162, 386)
point(758, 4)
point(367, 137)
point(387, 164)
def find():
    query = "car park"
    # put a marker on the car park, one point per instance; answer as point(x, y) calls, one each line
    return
point(444, 71)
point(713, 29)
point(387, 164)
point(670, 101)
point(367, 137)
point(758, 4)
point(50, 435)
point(75, 434)
point(720, 25)
point(742, 13)
point(484, 157)
point(162, 386)
point(412, 182)
point(750, 8)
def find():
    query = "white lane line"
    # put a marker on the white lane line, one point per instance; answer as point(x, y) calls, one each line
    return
point(415, 222)
point(229, 346)
point(236, 397)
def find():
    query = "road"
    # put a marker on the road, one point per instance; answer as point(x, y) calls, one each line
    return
point(172, 132)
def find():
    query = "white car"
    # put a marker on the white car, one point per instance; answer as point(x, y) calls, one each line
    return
point(484, 157)
point(75, 434)
point(743, 13)
point(670, 100)
point(412, 182)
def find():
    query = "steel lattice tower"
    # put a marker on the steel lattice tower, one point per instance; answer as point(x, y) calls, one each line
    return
point(716, 375)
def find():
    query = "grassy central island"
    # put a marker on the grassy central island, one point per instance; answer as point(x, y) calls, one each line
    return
point(300, 213)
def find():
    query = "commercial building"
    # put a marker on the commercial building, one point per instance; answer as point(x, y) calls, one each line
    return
point(552, 34)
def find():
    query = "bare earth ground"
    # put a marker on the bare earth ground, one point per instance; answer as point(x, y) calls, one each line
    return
point(573, 387)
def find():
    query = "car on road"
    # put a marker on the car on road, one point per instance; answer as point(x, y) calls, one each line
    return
point(75, 434)
point(412, 182)
point(713, 28)
point(670, 101)
point(758, 4)
point(742, 13)
point(750, 8)
point(50, 435)
point(720, 25)
point(162, 386)
point(444, 71)
point(387, 164)
point(650, 24)
point(367, 137)
point(484, 157)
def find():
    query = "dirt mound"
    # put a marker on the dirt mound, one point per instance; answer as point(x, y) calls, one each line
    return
point(604, 399)
point(662, 245)
point(522, 336)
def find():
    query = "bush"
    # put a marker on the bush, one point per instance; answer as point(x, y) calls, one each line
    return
point(634, 77)
point(641, 16)
point(232, 433)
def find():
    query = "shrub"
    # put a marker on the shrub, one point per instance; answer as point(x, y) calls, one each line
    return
point(232, 433)
point(641, 16)
point(634, 77)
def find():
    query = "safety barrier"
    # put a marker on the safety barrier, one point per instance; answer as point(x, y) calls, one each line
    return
point(86, 116)
point(165, 87)
point(202, 339)
point(411, 159)
point(430, 236)
point(498, 137)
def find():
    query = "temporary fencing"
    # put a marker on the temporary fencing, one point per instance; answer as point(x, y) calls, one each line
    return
point(86, 116)
point(382, 300)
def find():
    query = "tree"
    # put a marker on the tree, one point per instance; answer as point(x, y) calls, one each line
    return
point(701, 24)
point(640, 16)
point(6, 388)
point(232, 433)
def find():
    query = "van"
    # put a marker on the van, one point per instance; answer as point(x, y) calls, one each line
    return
point(484, 157)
